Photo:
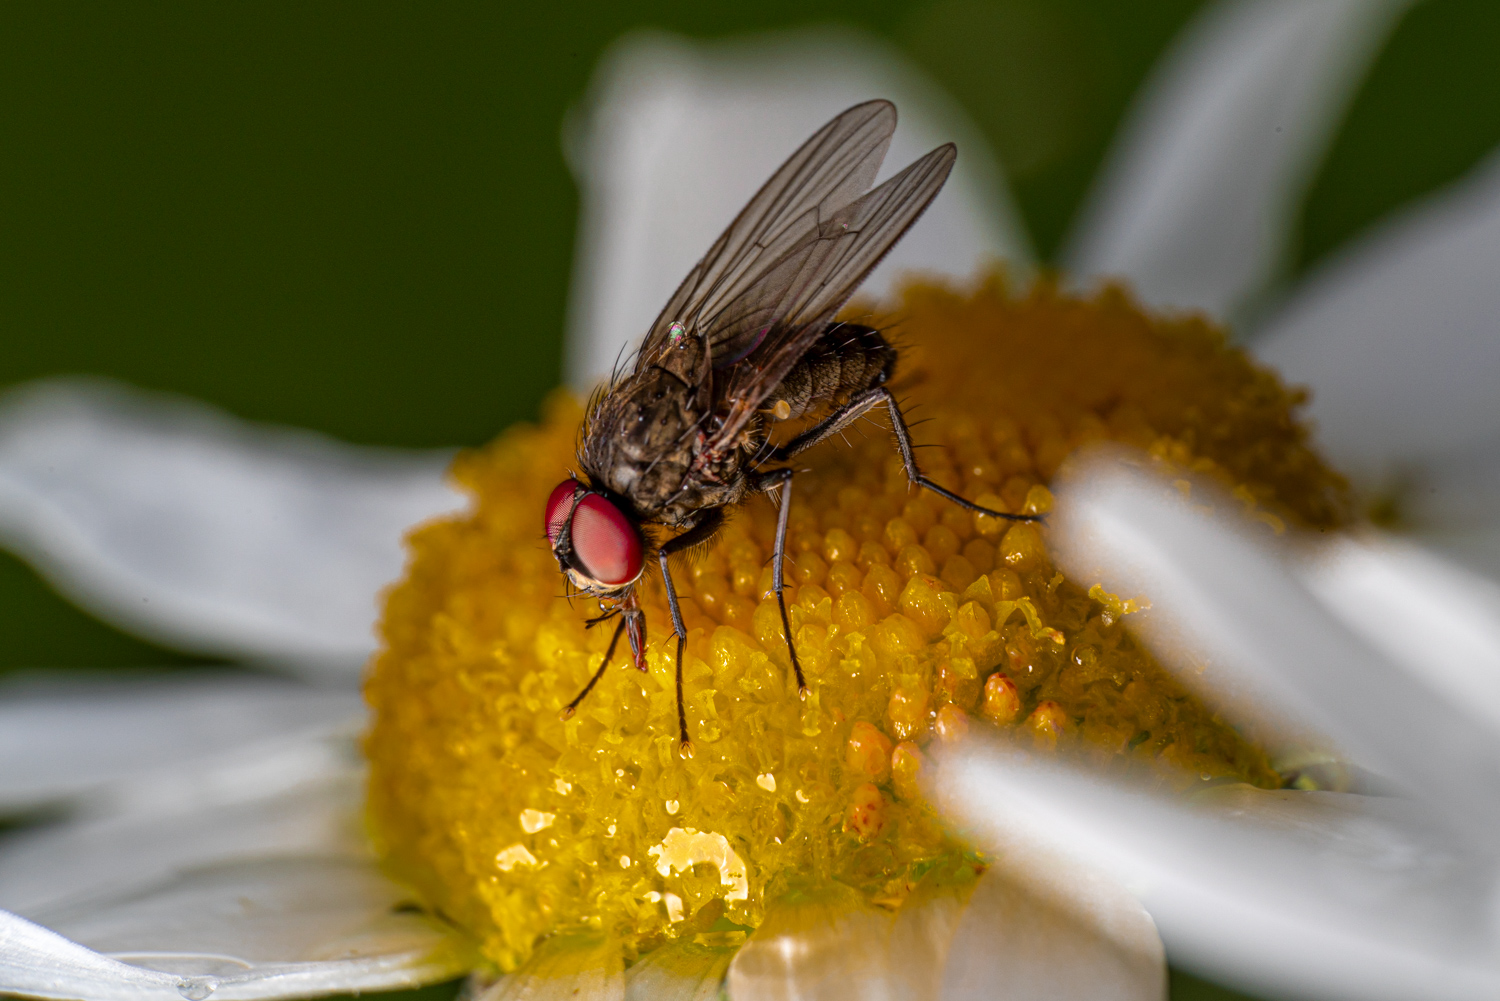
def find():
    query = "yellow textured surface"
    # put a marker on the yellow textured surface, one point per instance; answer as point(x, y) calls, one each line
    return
point(916, 622)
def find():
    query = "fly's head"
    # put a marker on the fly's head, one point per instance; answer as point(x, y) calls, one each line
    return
point(597, 545)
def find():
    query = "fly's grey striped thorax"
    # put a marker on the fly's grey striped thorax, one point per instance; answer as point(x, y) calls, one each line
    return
point(644, 441)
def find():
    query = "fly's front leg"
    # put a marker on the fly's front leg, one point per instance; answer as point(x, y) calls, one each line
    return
point(635, 629)
point(861, 404)
point(591, 623)
point(708, 523)
point(572, 707)
point(686, 747)
point(769, 482)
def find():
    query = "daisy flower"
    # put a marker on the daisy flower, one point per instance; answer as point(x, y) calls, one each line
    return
point(995, 783)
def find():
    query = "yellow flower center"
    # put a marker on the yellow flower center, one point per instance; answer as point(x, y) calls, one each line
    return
point(916, 621)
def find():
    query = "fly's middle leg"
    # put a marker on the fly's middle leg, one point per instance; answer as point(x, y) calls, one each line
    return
point(782, 479)
point(708, 523)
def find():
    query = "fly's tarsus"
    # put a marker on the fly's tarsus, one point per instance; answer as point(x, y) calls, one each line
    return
point(708, 523)
point(783, 478)
point(591, 623)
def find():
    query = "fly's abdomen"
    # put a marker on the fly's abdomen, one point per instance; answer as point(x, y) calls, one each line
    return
point(847, 359)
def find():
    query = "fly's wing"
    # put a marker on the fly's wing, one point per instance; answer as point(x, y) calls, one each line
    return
point(788, 306)
point(828, 172)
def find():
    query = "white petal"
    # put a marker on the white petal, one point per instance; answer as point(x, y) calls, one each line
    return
point(1397, 338)
point(678, 971)
point(39, 963)
point(299, 797)
point(1051, 928)
point(176, 521)
point(64, 734)
point(825, 944)
point(1235, 623)
point(677, 135)
point(1310, 894)
point(1448, 499)
point(1438, 621)
point(276, 927)
point(1196, 203)
point(1474, 547)
point(921, 939)
point(250, 877)
point(566, 968)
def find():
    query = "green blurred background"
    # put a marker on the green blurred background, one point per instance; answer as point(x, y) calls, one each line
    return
point(356, 217)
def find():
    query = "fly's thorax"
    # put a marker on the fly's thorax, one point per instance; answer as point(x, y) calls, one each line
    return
point(642, 438)
point(698, 493)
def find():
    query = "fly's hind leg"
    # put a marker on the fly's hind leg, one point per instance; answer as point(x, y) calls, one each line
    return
point(708, 523)
point(769, 482)
point(861, 404)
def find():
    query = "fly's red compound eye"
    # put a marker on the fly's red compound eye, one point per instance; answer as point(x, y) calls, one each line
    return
point(558, 506)
point(605, 543)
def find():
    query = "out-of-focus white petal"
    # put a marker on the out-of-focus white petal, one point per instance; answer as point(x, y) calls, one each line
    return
point(64, 734)
point(1449, 501)
point(269, 928)
point(823, 943)
point(677, 135)
point(1053, 928)
point(249, 877)
point(1231, 618)
point(1310, 894)
point(178, 522)
point(1196, 202)
point(299, 796)
point(1436, 620)
point(566, 968)
point(1045, 925)
point(1399, 339)
point(1474, 547)
point(678, 971)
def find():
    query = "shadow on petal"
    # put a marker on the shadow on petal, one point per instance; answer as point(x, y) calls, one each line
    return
point(566, 968)
point(818, 942)
point(679, 971)
point(1048, 927)
point(67, 734)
